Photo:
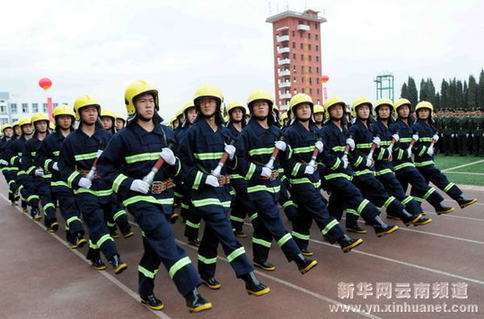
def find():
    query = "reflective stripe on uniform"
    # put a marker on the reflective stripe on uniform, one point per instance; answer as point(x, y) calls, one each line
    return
point(236, 219)
point(306, 149)
point(98, 193)
point(295, 169)
point(448, 187)
point(142, 157)
point(403, 165)
point(147, 273)
point(384, 171)
point(192, 225)
point(206, 260)
point(300, 236)
point(103, 239)
point(71, 178)
point(426, 163)
point(236, 253)
point(198, 179)
point(179, 265)
point(264, 188)
point(261, 242)
point(119, 214)
point(261, 151)
point(149, 199)
point(87, 156)
point(210, 201)
point(117, 182)
point(362, 206)
point(429, 192)
point(304, 180)
point(208, 156)
point(329, 226)
point(252, 168)
point(388, 201)
point(284, 239)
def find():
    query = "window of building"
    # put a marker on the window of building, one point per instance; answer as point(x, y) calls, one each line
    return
point(294, 69)
point(310, 91)
point(293, 33)
point(317, 58)
point(301, 46)
point(44, 107)
point(310, 70)
point(302, 57)
point(317, 69)
point(302, 69)
point(295, 90)
point(35, 107)
point(295, 79)
point(294, 45)
point(294, 56)
point(301, 34)
point(25, 108)
point(309, 46)
point(317, 90)
point(302, 79)
point(317, 47)
point(13, 108)
point(317, 36)
point(310, 81)
point(316, 26)
point(55, 104)
point(309, 35)
point(3, 109)
point(303, 90)
point(309, 58)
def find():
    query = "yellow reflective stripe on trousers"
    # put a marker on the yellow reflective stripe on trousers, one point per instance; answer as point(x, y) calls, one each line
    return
point(119, 214)
point(264, 188)
point(208, 156)
point(71, 178)
point(261, 151)
point(329, 226)
point(426, 163)
point(284, 239)
point(403, 165)
point(304, 180)
point(338, 148)
point(198, 179)
point(103, 239)
point(98, 193)
point(117, 182)
point(363, 172)
point(337, 175)
point(149, 199)
point(210, 201)
point(388, 201)
point(236, 253)
point(405, 139)
point(192, 225)
point(47, 206)
point(384, 171)
point(142, 157)
point(362, 206)
point(406, 200)
point(179, 265)
point(206, 260)
point(147, 273)
point(352, 211)
point(261, 242)
point(236, 219)
point(87, 156)
point(448, 187)
point(429, 192)
point(58, 183)
point(300, 236)
point(288, 203)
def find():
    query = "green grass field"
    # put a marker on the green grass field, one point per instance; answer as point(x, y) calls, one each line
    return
point(460, 175)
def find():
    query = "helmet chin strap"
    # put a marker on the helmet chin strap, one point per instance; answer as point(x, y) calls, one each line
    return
point(261, 118)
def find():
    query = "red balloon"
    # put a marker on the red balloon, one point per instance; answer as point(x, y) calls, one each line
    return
point(45, 83)
point(324, 78)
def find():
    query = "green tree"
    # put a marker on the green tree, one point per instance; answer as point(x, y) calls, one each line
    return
point(423, 96)
point(480, 90)
point(412, 91)
point(472, 93)
point(436, 102)
point(404, 91)
point(444, 88)
point(459, 94)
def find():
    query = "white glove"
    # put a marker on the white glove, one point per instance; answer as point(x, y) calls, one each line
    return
point(280, 145)
point(55, 166)
point(85, 183)
point(309, 170)
point(266, 172)
point(319, 145)
point(435, 137)
point(39, 172)
point(168, 155)
point(3, 162)
point(140, 186)
point(452, 135)
point(351, 143)
point(396, 137)
point(430, 150)
point(415, 137)
point(409, 152)
point(345, 161)
point(377, 141)
point(369, 162)
point(230, 149)
point(212, 181)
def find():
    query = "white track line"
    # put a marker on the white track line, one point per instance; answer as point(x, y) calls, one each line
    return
point(107, 275)
point(465, 173)
point(463, 165)
point(282, 282)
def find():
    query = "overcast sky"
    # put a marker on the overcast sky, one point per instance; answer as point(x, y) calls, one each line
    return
point(98, 47)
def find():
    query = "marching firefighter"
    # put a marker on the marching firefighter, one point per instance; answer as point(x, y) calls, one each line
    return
point(318, 116)
point(258, 156)
point(192, 221)
point(129, 164)
point(338, 150)
point(424, 154)
point(120, 122)
point(303, 140)
point(383, 159)
point(13, 154)
point(402, 159)
point(241, 204)
point(206, 142)
point(40, 178)
point(116, 215)
point(9, 172)
point(77, 166)
point(363, 167)
point(47, 158)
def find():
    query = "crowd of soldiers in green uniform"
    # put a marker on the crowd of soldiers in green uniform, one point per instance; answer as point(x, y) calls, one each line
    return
point(462, 133)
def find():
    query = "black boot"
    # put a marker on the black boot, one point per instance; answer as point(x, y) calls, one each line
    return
point(464, 202)
point(422, 221)
point(264, 265)
point(117, 264)
point(409, 219)
point(441, 209)
point(347, 243)
point(35, 213)
point(78, 240)
point(306, 252)
point(152, 302)
point(240, 234)
point(356, 229)
point(254, 286)
point(382, 229)
point(194, 242)
point(98, 263)
point(211, 282)
point(195, 301)
point(24, 207)
point(304, 264)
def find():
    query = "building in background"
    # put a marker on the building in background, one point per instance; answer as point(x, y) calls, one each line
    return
point(297, 55)
point(13, 109)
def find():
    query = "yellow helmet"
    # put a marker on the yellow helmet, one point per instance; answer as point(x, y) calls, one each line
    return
point(37, 117)
point(332, 102)
point(187, 105)
point(260, 95)
point(401, 102)
point(209, 91)
point(108, 113)
point(51, 125)
point(284, 117)
point(425, 105)
point(318, 109)
point(299, 99)
point(5, 126)
point(16, 123)
point(360, 101)
point(24, 121)
point(226, 118)
point(64, 110)
point(120, 117)
point(276, 108)
point(236, 104)
point(383, 101)
point(136, 88)
point(84, 101)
